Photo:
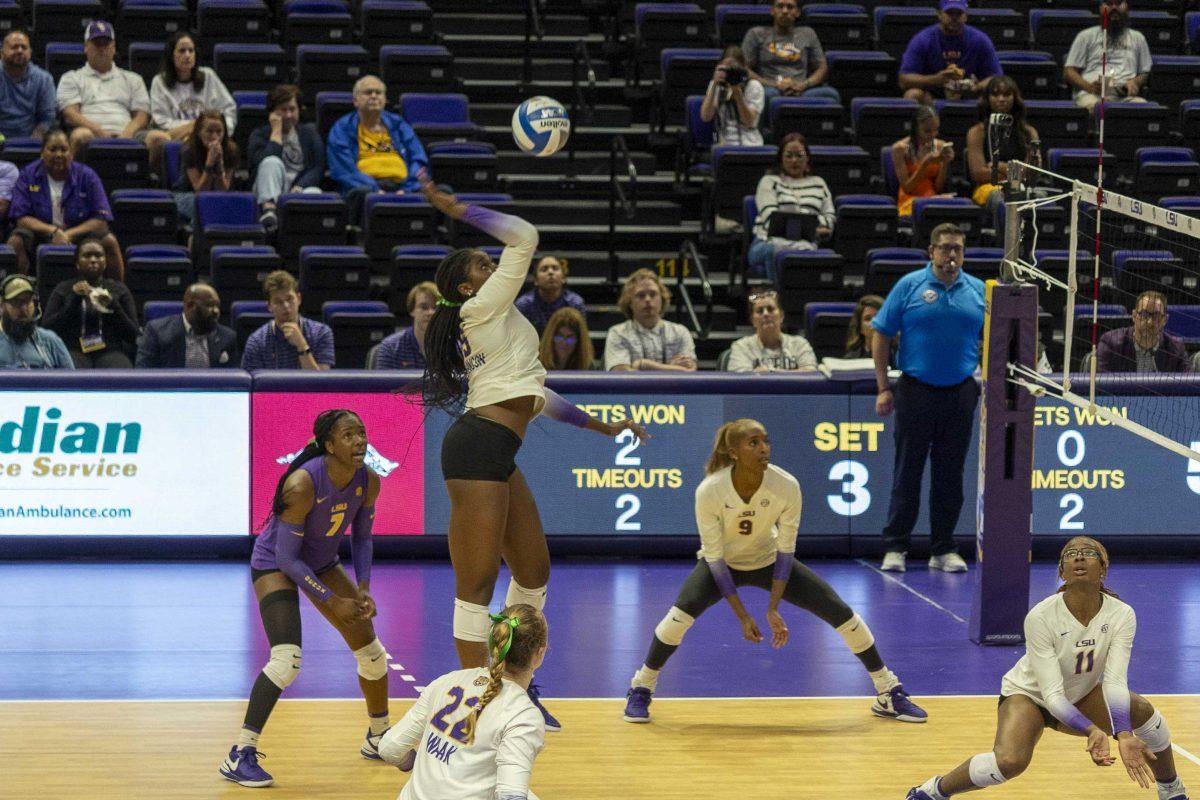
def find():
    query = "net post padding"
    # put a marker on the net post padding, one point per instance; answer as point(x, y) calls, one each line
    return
point(1004, 505)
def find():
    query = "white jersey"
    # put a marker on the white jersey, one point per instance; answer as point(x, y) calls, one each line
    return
point(499, 345)
point(1065, 659)
point(510, 734)
point(747, 535)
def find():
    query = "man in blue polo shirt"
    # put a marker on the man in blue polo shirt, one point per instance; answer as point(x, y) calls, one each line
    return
point(950, 59)
point(937, 312)
point(28, 105)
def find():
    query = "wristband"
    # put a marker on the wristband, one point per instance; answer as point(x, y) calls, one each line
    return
point(306, 351)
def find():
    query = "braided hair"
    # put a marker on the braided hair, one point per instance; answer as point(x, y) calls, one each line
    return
point(518, 632)
point(323, 427)
point(729, 436)
point(445, 372)
point(1103, 562)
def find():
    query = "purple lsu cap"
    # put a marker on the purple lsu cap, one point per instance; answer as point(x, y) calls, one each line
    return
point(953, 5)
point(100, 29)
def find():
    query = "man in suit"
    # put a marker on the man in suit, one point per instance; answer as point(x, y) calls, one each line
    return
point(192, 340)
point(1144, 346)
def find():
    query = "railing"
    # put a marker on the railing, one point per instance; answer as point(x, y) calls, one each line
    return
point(583, 103)
point(688, 254)
point(616, 194)
point(533, 27)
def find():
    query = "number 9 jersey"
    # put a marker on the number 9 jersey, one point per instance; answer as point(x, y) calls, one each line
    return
point(509, 735)
point(747, 535)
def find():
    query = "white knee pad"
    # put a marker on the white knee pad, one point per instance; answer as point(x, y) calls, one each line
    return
point(372, 660)
point(1155, 733)
point(673, 626)
point(985, 771)
point(856, 633)
point(471, 623)
point(519, 594)
point(284, 665)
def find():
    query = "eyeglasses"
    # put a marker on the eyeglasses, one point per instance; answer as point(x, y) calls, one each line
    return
point(565, 339)
point(948, 248)
point(765, 295)
point(1090, 553)
point(1152, 315)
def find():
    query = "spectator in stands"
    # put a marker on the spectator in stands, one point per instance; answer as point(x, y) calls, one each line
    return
point(27, 103)
point(922, 161)
point(8, 182)
point(57, 200)
point(1019, 142)
point(1128, 66)
point(23, 343)
point(101, 99)
point(566, 342)
point(735, 100)
point(950, 59)
point(194, 339)
point(646, 341)
point(786, 59)
point(94, 315)
point(289, 341)
point(207, 163)
point(285, 155)
point(181, 90)
point(790, 188)
point(549, 294)
point(373, 150)
point(769, 349)
point(406, 349)
point(938, 313)
point(1144, 346)
point(859, 333)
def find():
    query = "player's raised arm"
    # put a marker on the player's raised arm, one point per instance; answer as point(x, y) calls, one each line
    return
point(563, 410)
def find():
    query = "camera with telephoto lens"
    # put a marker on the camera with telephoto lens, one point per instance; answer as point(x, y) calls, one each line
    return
point(735, 76)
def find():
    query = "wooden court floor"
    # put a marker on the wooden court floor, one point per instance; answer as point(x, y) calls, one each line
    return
point(695, 749)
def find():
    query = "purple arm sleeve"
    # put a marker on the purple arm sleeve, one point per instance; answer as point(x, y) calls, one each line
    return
point(505, 227)
point(1066, 713)
point(361, 544)
point(289, 537)
point(783, 566)
point(559, 408)
point(723, 577)
point(1118, 712)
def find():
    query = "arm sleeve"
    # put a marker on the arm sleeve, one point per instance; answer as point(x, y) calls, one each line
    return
point(789, 520)
point(563, 410)
point(887, 321)
point(617, 352)
point(22, 203)
point(47, 104)
point(314, 157)
point(322, 345)
point(993, 60)
point(161, 106)
point(222, 100)
point(1039, 648)
point(520, 240)
point(1116, 674)
point(253, 356)
point(342, 155)
point(260, 146)
point(148, 354)
point(1106, 355)
point(755, 99)
point(806, 357)
point(1077, 55)
point(362, 545)
point(62, 359)
point(740, 359)
point(99, 198)
point(137, 90)
point(766, 200)
point(68, 91)
point(1142, 57)
point(417, 160)
point(125, 313)
point(402, 737)
point(59, 307)
point(287, 557)
point(750, 49)
point(708, 523)
point(913, 60)
point(521, 741)
point(828, 215)
point(687, 345)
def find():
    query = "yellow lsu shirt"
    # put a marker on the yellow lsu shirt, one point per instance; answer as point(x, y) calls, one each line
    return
point(377, 156)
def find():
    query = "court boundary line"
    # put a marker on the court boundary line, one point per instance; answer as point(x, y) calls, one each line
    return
point(1190, 757)
point(909, 589)
point(358, 698)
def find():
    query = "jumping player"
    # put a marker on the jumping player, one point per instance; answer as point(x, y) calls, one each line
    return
point(748, 513)
point(324, 491)
point(461, 753)
point(478, 334)
point(1073, 678)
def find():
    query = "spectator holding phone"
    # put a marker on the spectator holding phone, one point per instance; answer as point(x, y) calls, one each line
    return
point(921, 160)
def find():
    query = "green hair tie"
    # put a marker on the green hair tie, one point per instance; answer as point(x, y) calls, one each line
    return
point(512, 622)
point(441, 301)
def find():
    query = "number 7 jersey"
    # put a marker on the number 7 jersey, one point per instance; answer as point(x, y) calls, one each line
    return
point(509, 735)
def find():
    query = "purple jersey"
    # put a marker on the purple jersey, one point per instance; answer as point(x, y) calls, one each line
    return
point(332, 512)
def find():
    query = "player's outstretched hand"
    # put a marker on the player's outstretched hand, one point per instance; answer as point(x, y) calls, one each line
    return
point(639, 431)
point(366, 605)
point(1135, 755)
point(779, 630)
point(444, 202)
point(1097, 747)
point(345, 609)
point(750, 629)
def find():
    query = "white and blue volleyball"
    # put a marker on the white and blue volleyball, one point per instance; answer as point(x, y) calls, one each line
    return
point(541, 126)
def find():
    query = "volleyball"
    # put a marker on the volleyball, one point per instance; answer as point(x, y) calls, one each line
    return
point(541, 126)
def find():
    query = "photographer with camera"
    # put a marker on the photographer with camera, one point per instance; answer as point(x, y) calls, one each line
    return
point(735, 100)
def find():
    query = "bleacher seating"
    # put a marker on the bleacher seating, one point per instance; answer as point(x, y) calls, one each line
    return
point(825, 325)
point(838, 24)
point(819, 119)
point(419, 67)
point(157, 309)
point(661, 25)
point(157, 272)
point(439, 117)
point(307, 218)
point(1165, 171)
point(332, 273)
point(896, 25)
point(54, 264)
point(1035, 71)
point(357, 327)
point(237, 272)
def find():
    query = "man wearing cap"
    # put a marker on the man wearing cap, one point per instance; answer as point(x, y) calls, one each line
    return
point(950, 59)
point(101, 99)
point(24, 345)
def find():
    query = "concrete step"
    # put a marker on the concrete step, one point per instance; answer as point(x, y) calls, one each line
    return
point(626, 237)
point(654, 186)
point(588, 162)
point(470, 45)
point(508, 25)
point(661, 213)
point(544, 69)
point(507, 87)
point(595, 139)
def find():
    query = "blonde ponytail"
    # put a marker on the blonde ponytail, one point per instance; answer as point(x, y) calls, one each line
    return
point(517, 633)
point(728, 437)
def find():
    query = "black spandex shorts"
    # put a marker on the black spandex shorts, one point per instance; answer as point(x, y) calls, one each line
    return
point(1047, 717)
point(255, 574)
point(478, 449)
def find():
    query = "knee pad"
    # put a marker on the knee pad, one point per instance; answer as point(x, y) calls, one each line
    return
point(519, 594)
point(471, 623)
point(673, 626)
point(857, 635)
point(284, 665)
point(372, 661)
point(1155, 733)
point(985, 771)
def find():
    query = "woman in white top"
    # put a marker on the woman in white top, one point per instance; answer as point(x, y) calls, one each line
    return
point(735, 100)
point(748, 513)
point(769, 349)
point(479, 336)
point(454, 749)
point(1073, 678)
point(182, 90)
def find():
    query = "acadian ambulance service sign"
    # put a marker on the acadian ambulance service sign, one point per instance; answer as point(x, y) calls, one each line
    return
point(124, 463)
